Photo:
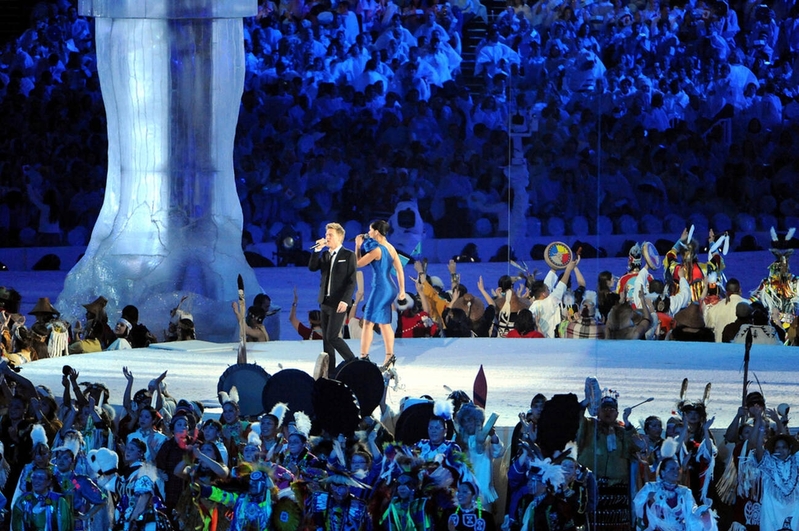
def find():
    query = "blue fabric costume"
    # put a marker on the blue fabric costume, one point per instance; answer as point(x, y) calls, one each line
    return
point(384, 289)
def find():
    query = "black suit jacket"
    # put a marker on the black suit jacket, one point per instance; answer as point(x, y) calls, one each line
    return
point(343, 283)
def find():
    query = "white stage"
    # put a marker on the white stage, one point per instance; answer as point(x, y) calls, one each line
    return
point(515, 369)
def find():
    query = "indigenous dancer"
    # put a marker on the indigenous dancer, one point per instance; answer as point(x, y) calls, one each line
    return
point(779, 293)
point(665, 504)
point(778, 462)
point(686, 248)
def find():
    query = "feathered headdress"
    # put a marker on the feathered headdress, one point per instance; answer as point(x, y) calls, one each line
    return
point(231, 396)
point(73, 442)
point(693, 405)
point(443, 409)
point(668, 451)
point(39, 436)
point(301, 425)
point(634, 257)
point(278, 411)
point(254, 439)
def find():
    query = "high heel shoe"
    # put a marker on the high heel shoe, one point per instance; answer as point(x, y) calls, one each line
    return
point(365, 358)
point(389, 362)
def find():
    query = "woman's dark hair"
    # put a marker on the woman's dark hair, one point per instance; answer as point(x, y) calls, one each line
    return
point(649, 420)
point(213, 422)
point(525, 322)
point(505, 282)
point(457, 323)
point(217, 455)
point(140, 445)
point(381, 226)
point(603, 283)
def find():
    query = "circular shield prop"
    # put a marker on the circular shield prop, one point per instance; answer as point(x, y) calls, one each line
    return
point(651, 256)
point(249, 380)
point(286, 515)
point(557, 255)
point(366, 381)
point(335, 407)
point(292, 387)
point(412, 423)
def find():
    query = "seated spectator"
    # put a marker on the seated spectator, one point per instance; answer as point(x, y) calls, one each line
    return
point(524, 326)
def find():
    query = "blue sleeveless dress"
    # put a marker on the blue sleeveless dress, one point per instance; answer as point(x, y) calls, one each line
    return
point(384, 289)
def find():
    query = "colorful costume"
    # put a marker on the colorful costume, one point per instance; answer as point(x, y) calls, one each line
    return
point(350, 515)
point(248, 513)
point(401, 515)
point(780, 291)
point(49, 512)
point(695, 271)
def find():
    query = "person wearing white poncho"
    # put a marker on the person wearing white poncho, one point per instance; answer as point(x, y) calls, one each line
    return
point(665, 505)
point(778, 462)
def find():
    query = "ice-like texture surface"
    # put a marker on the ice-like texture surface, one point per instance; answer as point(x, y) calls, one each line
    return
point(171, 221)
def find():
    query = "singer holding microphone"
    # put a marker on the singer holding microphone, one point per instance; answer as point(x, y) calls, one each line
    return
point(373, 248)
point(338, 267)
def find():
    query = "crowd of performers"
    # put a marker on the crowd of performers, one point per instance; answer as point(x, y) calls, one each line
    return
point(164, 463)
point(681, 297)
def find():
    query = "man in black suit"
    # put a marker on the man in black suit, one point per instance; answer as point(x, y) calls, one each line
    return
point(338, 267)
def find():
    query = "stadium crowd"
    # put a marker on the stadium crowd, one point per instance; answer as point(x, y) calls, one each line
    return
point(677, 108)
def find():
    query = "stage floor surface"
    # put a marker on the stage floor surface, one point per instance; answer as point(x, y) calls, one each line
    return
point(515, 369)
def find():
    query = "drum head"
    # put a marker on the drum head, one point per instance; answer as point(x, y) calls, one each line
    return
point(249, 380)
point(292, 387)
point(557, 255)
point(366, 381)
point(651, 256)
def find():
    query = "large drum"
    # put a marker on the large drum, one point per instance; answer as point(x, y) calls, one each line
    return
point(558, 255)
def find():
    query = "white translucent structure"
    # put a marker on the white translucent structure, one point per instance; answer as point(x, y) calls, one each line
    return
point(172, 76)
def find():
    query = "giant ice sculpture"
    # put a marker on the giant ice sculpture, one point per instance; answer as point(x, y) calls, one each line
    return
point(172, 76)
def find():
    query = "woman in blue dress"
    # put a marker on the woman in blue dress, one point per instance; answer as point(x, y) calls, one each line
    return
point(376, 250)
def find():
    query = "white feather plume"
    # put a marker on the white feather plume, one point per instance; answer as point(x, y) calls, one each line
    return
point(254, 439)
point(255, 427)
point(223, 397)
point(38, 435)
point(302, 423)
point(230, 396)
point(773, 233)
point(550, 473)
point(669, 448)
point(443, 409)
point(790, 234)
point(279, 412)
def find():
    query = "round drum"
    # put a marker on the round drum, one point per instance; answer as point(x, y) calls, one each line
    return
point(366, 381)
point(557, 255)
point(290, 386)
point(651, 256)
point(249, 380)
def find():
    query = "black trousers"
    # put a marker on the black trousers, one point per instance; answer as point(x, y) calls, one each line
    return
point(332, 322)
